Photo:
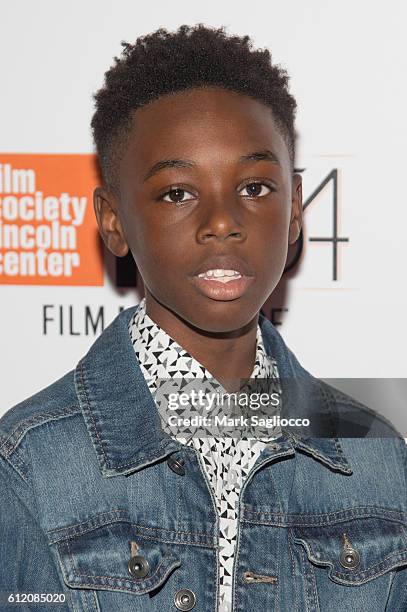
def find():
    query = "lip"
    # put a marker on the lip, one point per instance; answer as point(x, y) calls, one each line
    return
point(224, 262)
point(217, 290)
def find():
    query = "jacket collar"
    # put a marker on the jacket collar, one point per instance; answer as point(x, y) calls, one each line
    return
point(124, 424)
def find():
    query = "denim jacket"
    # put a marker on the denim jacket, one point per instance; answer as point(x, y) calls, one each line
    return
point(96, 510)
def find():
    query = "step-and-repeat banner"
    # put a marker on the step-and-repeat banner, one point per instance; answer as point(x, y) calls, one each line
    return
point(341, 305)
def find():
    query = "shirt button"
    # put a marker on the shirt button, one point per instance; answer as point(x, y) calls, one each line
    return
point(232, 477)
point(176, 465)
point(138, 567)
point(184, 600)
point(274, 446)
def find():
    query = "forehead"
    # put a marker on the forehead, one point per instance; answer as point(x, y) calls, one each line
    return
point(202, 122)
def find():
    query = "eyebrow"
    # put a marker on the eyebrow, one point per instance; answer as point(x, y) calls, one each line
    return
point(263, 155)
point(168, 163)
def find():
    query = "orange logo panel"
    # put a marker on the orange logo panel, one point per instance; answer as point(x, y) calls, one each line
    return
point(48, 230)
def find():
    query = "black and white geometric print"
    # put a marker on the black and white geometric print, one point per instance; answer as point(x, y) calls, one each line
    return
point(227, 460)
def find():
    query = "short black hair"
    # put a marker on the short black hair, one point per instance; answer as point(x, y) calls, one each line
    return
point(165, 62)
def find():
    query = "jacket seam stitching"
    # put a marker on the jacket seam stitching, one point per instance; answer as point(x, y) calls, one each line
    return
point(343, 400)
point(114, 520)
point(291, 549)
point(71, 597)
point(25, 425)
point(73, 536)
point(149, 457)
point(177, 541)
point(390, 590)
point(287, 525)
point(328, 514)
point(19, 466)
point(171, 531)
point(95, 601)
point(330, 400)
point(92, 417)
point(115, 510)
point(85, 601)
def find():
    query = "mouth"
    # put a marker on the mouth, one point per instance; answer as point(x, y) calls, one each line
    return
point(220, 276)
point(223, 278)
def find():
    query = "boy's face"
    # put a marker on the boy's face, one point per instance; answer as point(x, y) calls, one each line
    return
point(231, 194)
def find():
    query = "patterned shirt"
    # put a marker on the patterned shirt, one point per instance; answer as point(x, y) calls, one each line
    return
point(227, 460)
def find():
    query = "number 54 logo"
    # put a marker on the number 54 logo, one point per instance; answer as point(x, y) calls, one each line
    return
point(333, 238)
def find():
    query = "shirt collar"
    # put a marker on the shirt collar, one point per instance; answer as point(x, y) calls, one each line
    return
point(124, 426)
point(155, 351)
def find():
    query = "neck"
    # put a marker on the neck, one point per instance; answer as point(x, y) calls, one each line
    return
point(227, 355)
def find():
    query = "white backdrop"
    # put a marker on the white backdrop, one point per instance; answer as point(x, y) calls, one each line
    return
point(347, 62)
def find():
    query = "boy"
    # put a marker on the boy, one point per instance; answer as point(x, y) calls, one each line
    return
point(104, 508)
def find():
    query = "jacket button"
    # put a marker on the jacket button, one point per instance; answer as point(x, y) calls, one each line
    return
point(349, 558)
point(184, 600)
point(176, 465)
point(138, 567)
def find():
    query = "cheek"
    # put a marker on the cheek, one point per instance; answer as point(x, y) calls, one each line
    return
point(271, 235)
point(155, 252)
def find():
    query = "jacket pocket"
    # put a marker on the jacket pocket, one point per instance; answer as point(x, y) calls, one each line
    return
point(354, 551)
point(111, 557)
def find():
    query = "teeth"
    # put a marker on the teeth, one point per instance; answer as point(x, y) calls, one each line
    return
point(224, 276)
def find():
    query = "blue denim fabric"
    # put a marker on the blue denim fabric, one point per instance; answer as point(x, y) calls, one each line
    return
point(83, 472)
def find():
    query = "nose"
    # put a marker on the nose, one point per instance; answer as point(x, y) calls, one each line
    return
point(220, 222)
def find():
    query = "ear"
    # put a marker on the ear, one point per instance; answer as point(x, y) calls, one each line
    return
point(110, 227)
point(296, 210)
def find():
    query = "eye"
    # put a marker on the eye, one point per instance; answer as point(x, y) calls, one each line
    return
point(255, 189)
point(176, 195)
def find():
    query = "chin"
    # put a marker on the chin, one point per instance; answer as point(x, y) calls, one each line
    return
point(224, 318)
